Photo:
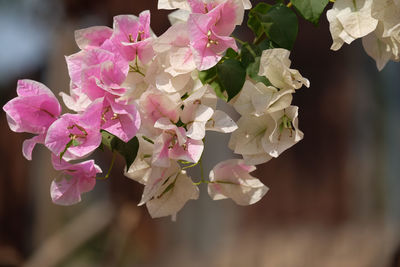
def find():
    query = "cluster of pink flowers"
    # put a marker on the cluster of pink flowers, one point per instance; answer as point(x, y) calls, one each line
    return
point(130, 83)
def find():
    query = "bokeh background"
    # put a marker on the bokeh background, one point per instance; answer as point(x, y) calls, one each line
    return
point(334, 198)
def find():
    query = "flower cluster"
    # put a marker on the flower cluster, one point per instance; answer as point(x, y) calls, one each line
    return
point(377, 22)
point(136, 88)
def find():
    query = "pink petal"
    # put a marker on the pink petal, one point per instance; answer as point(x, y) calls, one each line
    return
point(92, 36)
point(29, 145)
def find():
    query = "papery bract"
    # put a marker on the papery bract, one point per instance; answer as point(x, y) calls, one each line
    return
point(231, 179)
point(33, 111)
point(131, 36)
point(208, 46)
point(76, 179)
point(274, 65)
point(83, 128)
point(172, 196)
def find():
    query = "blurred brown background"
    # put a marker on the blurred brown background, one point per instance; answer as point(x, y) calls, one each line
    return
point(334, 198)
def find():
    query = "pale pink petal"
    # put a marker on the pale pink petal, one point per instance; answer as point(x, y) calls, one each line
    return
point(92, 36)
point(29, 145)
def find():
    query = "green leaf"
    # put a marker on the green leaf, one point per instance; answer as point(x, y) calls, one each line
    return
point(311, 10)
point(231, 75)
point(230, 53)
point(252, 71)
point(254, 22)
point(279, 23)
point(127, 150)
point(210, 77)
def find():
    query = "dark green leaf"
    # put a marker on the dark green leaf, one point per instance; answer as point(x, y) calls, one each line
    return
point(210, 77)
point(231, 75)
point(279, 23)
point(127, 150)
point(311, 10)
point(254, 22)
point(230, 53)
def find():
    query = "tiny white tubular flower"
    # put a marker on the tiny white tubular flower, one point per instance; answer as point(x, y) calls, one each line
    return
point(247, 139)
point(258, 99)
point(285, 133)
point(349, 20)
point(140, 169)
point(231, 179)
point(275, 65)
point(172, 196)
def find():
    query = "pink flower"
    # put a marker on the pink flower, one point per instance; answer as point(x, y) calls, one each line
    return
point(225, 15)
point(33, 111)
point(97, 71)
point(120, 118)
point(208, 46)
point(92, 37)
point(83, 130)
point(76, 179)
point(132, 36)
point(173, 144)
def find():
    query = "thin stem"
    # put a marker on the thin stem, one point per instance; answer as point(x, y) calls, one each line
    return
point(190, 166)
point(109, 170)
point(202, 171)
point(238, 40)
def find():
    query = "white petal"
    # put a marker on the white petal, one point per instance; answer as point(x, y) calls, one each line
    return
point(172, 196)
point(231, 179)
point(221, 122)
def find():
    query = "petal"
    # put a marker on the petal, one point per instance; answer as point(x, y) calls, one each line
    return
point(170, 201)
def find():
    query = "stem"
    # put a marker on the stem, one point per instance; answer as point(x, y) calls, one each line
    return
point(190, 166)
point(202, 171)
point(238, 40)
point(251, 50)
point(109, 170)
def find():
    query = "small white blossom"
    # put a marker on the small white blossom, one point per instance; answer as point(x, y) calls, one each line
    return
point(275, 65)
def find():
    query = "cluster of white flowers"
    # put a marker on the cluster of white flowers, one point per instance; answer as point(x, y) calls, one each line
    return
point(377, 22)
point(269, 123)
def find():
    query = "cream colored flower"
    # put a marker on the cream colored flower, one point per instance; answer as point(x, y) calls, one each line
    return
point(275, 65)
point(172, 196)
point(258, 99)
point(231, 179)
point(349, 20)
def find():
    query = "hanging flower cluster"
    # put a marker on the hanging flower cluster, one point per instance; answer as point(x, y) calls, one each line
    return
point(377, 22)
point(152, 99)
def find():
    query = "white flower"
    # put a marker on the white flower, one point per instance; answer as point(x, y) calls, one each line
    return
point(156, 179)
point(258, 99)
point(285, 133)
point(382, 49)
point(231, 179)
point(275, 65)
point(247, 139)
point(172, 196)
point(349, 20)
point(141, 167)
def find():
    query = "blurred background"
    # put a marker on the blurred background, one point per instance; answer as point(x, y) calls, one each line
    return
point(334, 198)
